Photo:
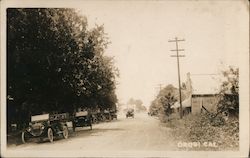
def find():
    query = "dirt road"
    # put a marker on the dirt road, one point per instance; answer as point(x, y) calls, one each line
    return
point(140, 133)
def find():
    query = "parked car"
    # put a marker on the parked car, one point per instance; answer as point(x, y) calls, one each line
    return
point(130, 113)
point(107, 115)
point(46, 126)
point(94, 118)
point(82, 119)
point(113, 114)
point(97, 116)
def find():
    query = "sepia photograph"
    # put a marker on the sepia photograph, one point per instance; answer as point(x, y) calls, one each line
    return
point(139, 78)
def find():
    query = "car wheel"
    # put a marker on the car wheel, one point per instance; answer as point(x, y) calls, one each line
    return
point(24, 139)
point(50, 135)
point(65, 132)
point(96, 120)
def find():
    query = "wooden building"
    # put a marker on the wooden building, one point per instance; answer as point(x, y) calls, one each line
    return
point(201, 90)
point(209, 101)
point(205, 90)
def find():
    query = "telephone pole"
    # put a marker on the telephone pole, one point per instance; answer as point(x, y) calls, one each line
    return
point(176, 40)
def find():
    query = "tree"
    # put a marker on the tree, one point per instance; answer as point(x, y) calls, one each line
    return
point(154, 107)
point(55, 63)
point(164, 100)
point(139, 107)
point(229, 92)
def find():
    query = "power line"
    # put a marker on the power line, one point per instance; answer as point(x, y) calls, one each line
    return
point(177, 56)
point(204, 74)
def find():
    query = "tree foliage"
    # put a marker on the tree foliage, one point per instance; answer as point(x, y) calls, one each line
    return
point(56, 63)
point(139, 107)
point(164, 100)
point(167, 101)
point(229, 92)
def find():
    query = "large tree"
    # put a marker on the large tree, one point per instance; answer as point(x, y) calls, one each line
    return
point(55, 63)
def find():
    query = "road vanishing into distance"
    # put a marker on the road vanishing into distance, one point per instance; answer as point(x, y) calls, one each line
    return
point(140, 133)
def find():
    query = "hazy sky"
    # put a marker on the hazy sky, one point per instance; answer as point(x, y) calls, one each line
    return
point(215, 32)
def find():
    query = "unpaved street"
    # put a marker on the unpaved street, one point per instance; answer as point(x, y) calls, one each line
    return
point(140, 133)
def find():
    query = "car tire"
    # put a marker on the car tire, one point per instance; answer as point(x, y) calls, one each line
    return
point(50, 135)
point(65, 132)
point(24, 140)
point(74, 127)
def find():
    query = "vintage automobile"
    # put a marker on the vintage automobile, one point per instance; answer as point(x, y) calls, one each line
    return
point(107, 116)
point(113, 114)
point(130, 113)
point(96, 116)
point(82, 119)
point(46, 126)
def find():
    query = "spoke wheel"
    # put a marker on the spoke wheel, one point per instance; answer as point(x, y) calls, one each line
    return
point(23, 138)
point(65, 132)
point(50, 135)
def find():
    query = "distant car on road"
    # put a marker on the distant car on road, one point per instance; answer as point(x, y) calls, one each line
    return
point(46, 126)
point(130, 113)
point(152, 113)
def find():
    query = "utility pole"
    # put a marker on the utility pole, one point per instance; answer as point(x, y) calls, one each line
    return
point(176, 40)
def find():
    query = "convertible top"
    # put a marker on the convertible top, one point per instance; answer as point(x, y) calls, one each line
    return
point(42, 117)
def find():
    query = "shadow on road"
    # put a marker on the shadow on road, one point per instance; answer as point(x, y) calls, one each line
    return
point(93, 132)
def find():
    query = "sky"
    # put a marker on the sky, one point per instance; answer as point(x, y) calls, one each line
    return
point(214, 32)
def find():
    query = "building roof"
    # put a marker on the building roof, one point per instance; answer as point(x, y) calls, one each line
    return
point(205, 84)
point(200, 85)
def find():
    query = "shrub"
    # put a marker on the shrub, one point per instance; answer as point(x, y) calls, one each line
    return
point(204, 128)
